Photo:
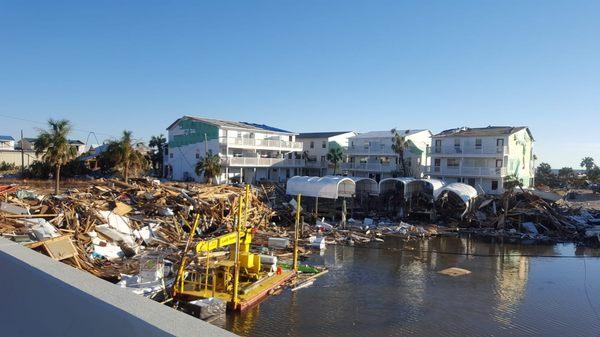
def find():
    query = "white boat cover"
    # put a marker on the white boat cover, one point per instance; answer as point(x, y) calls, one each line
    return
point(464, 191)
point(390, 183)
point(366, 185)
point(330, 187)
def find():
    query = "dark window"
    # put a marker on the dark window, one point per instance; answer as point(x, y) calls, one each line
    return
point(324, 145)
point(312, 145)
point(197, 155)
point(494, 185)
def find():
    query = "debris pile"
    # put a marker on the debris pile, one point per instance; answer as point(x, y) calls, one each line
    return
point(112, 224)
point(528, 215)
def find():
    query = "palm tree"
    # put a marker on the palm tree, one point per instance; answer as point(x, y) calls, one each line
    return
point(126, 156)
point(157, 157)
point(588, 163)
point(399, 144)
point(335, 155)
point(54, 147)
point(209, 165)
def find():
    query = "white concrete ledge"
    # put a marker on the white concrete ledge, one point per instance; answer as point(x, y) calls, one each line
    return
point(43, 297)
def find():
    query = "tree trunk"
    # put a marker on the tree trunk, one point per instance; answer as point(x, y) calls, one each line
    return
point(401, 157)
point(126, 172)
point(57, 179)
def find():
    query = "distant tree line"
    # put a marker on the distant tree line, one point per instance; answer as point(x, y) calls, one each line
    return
point(58, 157)
point(567, 176)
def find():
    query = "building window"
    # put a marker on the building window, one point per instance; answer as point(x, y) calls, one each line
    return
point(494, 185)
point(170, 155)
point(478, 143)
point(498, 162)
point(437, 162)
point(322, 159)
point(197, 155)
point(324, 144)
point(452, 162)
point(367, 144)
point(456, 142)
point(312, 144)
point(500, 142)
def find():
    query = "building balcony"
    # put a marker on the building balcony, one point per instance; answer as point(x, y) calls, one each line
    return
point(261, 162)
point(270, 144)
point(460, 151)
point(316, 164)
point(373, 151)
point(370, 167)
point(466, 171)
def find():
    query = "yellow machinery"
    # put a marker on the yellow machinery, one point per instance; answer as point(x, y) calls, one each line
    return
point(249, 263)
point(239, 279)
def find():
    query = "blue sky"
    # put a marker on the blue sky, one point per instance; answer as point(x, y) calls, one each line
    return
point(306, 66)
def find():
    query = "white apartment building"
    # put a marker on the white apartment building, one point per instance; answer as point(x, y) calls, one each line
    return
point(249, 152)
point(7, 143)
point(370, 154)
point(482, 157)
point(316, 145)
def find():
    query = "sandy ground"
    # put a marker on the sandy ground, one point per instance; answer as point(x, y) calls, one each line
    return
point(585, 198)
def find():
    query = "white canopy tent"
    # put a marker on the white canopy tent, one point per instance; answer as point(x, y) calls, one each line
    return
point(366, 185)
point(330, 187)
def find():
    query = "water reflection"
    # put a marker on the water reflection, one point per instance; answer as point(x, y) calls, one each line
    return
point(395, 289)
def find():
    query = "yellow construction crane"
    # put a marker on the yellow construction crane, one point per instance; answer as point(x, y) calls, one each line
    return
point(224, 278)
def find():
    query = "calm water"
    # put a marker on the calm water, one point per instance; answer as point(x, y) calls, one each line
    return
point(396, 291)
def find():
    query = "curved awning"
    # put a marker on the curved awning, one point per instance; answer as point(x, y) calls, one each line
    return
point(330, 187)
point(366, 185)
point(465, 192)
point(459, 191)
point(435, 184)
point(390, 184)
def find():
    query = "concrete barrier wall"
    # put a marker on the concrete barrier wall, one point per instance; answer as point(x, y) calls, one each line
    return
point(14, 157)
point(43, 297)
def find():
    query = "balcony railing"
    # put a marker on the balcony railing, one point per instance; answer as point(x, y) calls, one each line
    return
point(370, 150)
point(460, 150)
point(262, 162)
point(263, 143)
point(466, 171)
point(376, 167)
point(316, 164)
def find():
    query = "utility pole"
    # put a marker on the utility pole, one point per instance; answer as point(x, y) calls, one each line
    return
point(22, 156)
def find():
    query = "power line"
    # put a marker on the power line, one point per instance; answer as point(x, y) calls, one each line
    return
point(44, 123)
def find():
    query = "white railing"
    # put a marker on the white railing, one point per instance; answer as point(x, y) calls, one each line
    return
point(370, 150)
point(458, 150)
point(377, 167)
point(466, 171)
point(316, 164)
point(264, 143)
point(262, 162)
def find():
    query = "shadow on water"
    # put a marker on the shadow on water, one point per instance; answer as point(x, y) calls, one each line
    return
point(514, 289)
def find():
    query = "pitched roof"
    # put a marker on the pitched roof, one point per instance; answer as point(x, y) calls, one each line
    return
point(232, 125)
point(76, 141)
point(5, 138)
point(388, 133)
point(483, 132)
point(320, 134)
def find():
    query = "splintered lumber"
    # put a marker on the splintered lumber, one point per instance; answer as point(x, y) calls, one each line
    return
point(157, 213)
